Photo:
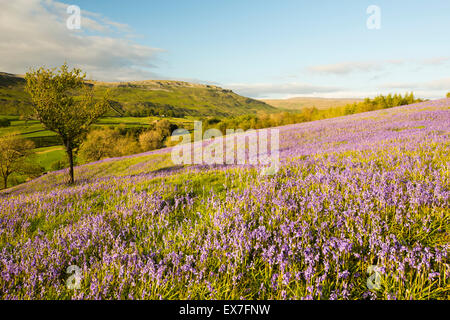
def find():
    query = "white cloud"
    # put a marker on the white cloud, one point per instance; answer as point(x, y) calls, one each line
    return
point(345, 67)
point(434, 89)
point(34, 34)
point(440, 84)
point(435, 61)
point(399, 85)
point(431, 90)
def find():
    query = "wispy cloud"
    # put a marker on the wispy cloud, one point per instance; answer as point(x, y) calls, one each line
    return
point(430, 89)
point(439, 84)
point(399, 85)
point(344, 68)
point(34, 33)
point(348, 67)
point(435, 61)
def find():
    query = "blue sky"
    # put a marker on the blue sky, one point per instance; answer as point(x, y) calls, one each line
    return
point(265, 48)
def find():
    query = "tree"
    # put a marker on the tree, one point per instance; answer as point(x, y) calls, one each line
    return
point(164, 128)
point(57, 106)
point(107, 143)
point(99, 144)
point(151, 140)
point(59, 165)
point(154, 139)
point(14, 152)
point(126, 145)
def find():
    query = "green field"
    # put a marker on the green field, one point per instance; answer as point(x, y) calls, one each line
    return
point(48, 155)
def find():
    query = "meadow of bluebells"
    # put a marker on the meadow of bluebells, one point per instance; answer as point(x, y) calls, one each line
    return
point(352, 192)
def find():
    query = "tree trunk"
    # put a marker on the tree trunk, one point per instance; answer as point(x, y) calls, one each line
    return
point(5, 181)
point(69, 151)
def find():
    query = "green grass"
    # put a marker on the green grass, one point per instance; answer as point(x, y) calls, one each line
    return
point(22, 127)
point(48, 155)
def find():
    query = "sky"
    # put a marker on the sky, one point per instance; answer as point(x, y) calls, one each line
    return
point(258, 48)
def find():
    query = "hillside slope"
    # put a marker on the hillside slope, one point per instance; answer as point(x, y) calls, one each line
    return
point(147, 98)
point(13, 98)
point(353, 193)
point(297, 140)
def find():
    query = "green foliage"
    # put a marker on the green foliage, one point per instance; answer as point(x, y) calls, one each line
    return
point(164, 128)
point(59, 109)
point(448, 94)
point(59, 165)
point(56, 106)
point(117, 141)
point(151, 140)
point(14, 153)
point(5, 122)
point(98, 144)
point(107, 143)
point(126, 145)
point(154, 139)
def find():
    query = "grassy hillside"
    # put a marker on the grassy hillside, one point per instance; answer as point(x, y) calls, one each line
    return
point(147, 98)
point(13, 98)
point(311, 138)
point(300, 103)
point(353, 193)
point(48, 155)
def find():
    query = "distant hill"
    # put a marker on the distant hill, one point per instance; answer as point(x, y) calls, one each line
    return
point(147, 98)
point(13, 99)
point(300, 103)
